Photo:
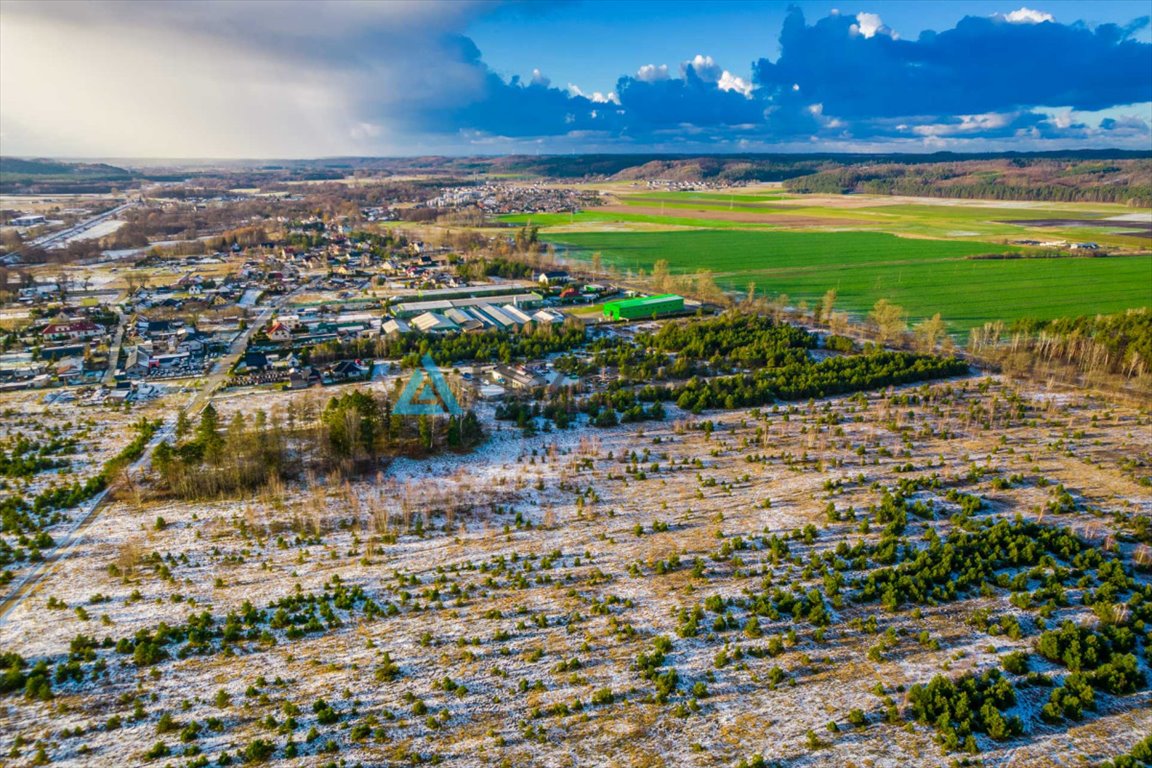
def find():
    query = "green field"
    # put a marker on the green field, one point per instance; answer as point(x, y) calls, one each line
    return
point(924, 276)
point(960, 220)
point(602, 220)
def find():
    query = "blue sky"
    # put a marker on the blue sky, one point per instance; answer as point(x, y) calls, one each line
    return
point(281, 78)
point(591, 44)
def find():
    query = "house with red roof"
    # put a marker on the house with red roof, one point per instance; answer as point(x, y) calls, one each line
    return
point(72, 330)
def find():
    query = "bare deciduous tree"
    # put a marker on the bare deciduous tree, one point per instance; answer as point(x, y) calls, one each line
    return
point(888, 320)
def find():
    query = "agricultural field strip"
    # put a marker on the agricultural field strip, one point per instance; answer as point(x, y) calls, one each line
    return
point(902, 216)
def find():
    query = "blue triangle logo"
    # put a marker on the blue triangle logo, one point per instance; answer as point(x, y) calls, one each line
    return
point(427, 394)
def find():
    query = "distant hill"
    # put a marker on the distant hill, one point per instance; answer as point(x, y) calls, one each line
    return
point(1097, 179)
point(1116, 176)
point(18, 175)
point(1113, 176)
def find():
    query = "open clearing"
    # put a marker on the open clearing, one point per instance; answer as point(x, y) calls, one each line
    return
point(512, 628)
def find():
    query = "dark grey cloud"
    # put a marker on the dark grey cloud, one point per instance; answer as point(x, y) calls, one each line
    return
point(513, 108)
point(694, 99)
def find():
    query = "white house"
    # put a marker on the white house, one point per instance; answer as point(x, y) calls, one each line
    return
point(279, 332)
point(553, 277)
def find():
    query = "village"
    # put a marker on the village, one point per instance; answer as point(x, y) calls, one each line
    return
point(176, 319)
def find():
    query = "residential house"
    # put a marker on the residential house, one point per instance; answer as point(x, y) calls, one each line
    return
point(255, 361)
point(302, 378)
point(279, 332)
point(346, 370)
point(553, 277)
point(515, 378)
point(71, 330)
point(139, 361)
point(291, 322)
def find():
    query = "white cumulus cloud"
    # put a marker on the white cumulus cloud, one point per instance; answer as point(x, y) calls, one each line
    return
point(650, 73)
point(730, 82)
point(705, 68)
point(596, 96)
point(868, 24)
point(1028, 16)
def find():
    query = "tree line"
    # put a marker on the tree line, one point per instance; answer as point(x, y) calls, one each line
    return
point(487, 346)
point(1096, 345)
point(353, 433)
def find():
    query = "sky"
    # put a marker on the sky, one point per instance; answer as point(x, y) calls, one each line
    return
point(294, 79)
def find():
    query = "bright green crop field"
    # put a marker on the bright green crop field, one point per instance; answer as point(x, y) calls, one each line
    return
point(924, 276)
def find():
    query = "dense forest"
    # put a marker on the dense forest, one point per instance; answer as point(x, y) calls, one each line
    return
point(733, 168)
point(19, 176)
point(487, 346)
point(759, 362)
point(1087, 175)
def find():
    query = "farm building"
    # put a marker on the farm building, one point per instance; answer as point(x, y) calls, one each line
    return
point(433, 322)
point(410, 308)
point(642, 308)
point(396, 325)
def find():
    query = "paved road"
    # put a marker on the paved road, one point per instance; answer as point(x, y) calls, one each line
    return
point(58, 238)
point(26, 586)
point(220, 371)
point(114, 350)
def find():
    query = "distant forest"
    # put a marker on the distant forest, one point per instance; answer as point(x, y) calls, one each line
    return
point(1061, 180)
point(1111, 176)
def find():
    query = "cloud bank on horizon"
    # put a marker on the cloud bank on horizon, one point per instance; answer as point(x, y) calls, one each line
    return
point(268, 79)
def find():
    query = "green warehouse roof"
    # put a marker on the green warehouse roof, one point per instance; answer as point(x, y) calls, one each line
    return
point(649, 306)
point(643, 301)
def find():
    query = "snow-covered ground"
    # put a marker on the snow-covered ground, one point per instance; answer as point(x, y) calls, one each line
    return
point(517, 572)
point(95, 232)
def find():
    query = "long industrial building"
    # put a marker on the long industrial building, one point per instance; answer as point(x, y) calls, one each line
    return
point(480, 317)
point(520, 300)
point(643, 308)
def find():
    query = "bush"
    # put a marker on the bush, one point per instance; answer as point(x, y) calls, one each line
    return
point(158, 750)
point(1069, 700)
point(1139, 755)
point(1015, 662)
point(1104, 656)
point(971, 704)
point(259, 751)
point(602, 696)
